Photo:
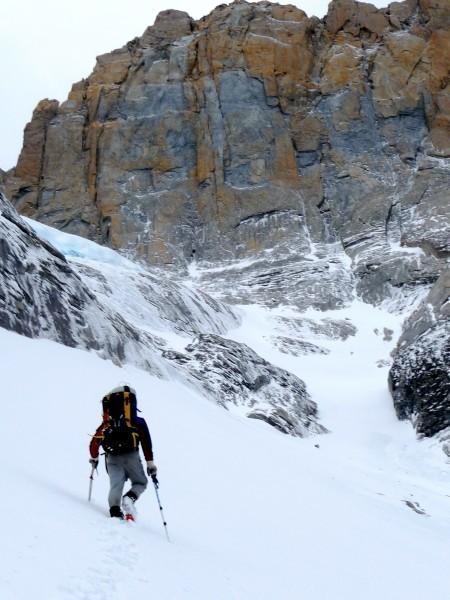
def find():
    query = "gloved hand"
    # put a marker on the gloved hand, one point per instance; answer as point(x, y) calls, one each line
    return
point(151, 468)
point(93, 462)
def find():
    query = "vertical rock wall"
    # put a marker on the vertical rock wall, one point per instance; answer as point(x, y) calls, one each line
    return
point(258, 130)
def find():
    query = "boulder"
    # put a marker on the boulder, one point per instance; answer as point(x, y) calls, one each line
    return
point(397, 80)
point(401, 12)
point(354, 16)
point(436, 13)
point(170, 25)
point(419, 378)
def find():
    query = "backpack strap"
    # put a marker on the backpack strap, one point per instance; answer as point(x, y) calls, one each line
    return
point(105, 410)
point(127, 407)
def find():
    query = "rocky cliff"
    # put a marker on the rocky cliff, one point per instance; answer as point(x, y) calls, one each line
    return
point(260, 134)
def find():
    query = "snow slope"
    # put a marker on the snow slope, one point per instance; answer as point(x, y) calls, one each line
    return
point(253, 514)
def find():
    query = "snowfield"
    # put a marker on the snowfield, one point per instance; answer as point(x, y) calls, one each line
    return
point(252, 513)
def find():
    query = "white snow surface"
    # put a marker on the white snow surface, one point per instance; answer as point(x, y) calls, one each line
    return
point(253, 514)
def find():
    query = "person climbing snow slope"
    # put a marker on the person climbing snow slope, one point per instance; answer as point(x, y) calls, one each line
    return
point(120, 434)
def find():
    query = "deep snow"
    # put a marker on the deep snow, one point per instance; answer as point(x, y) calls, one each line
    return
point(253, 514)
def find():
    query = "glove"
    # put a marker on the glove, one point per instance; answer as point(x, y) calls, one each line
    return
point(93, 462)
point(151, 469)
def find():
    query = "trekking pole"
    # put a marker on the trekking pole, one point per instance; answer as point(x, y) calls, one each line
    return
point(91, 481)
point(156, 486)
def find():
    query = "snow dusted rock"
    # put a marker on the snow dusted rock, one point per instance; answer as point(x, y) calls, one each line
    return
point(42, 296)
point(302, 336)
point(297, 347)
point(322, 281)
point(91, 297)
point(109, 305)
point(235, 376)
point(326, 328)
point(151, 301)
point(420, 375)
point(148, 299)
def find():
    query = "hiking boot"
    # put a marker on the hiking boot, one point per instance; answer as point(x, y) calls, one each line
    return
point(116, 511)
point(128, 505)
point(131, 495)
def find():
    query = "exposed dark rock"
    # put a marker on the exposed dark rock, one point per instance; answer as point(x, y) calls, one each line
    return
point(297, 347)
point(420, 375)
point(335, 329)
point(233, 374)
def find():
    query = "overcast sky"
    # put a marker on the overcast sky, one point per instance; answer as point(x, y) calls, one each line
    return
point(46, 45)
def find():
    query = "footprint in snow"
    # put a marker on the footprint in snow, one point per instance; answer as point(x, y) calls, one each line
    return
point(415, 506)
point(117, 556)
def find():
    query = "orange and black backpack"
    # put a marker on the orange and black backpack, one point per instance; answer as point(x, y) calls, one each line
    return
point(119, 415)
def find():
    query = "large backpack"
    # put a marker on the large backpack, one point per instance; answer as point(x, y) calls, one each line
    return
point(119, 414)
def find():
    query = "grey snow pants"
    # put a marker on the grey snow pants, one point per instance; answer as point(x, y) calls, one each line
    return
point(123, 467)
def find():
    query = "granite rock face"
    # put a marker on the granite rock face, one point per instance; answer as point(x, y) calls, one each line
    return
point(420, 375)
point(318, 149)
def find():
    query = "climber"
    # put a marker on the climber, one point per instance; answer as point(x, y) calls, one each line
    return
point(119, 434)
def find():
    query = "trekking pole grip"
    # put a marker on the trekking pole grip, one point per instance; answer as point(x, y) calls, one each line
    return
point(91, 481)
